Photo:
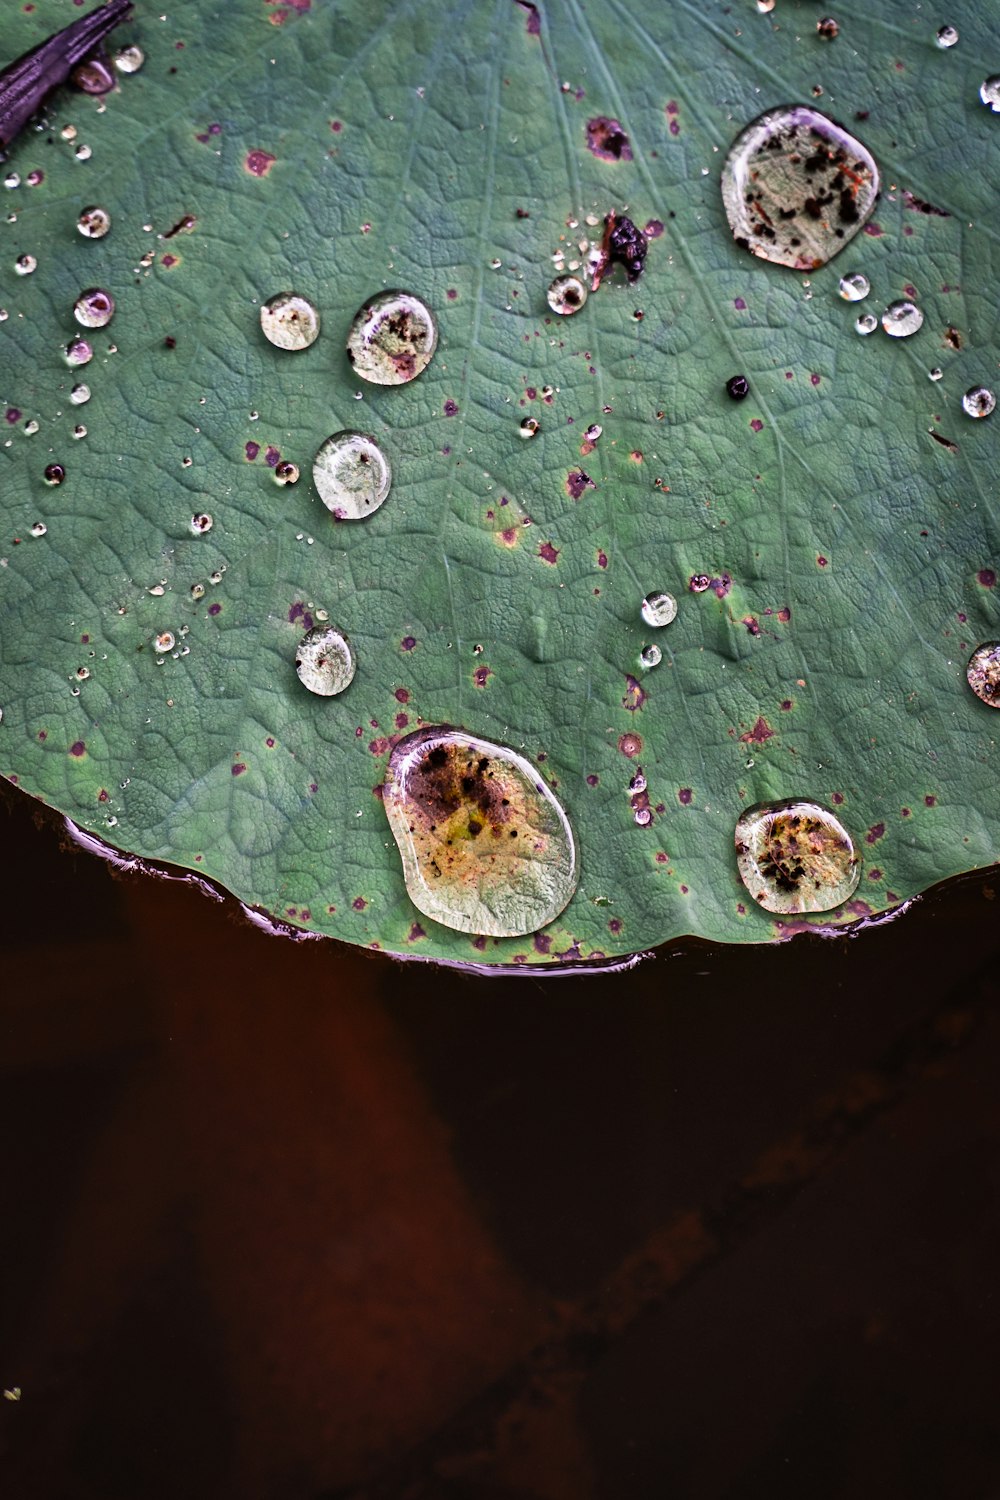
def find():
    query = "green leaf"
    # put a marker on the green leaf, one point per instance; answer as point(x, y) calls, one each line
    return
point(847, 508)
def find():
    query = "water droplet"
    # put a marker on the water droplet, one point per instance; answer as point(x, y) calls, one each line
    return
point(827, 28)
point(795, 857)
point(325, 661)
point(30, 427)
point(80, 394)
point(637, 784)
point(947, 36)
point(25, 264)
point(79, 431)
point(83, 153)
point(93, 222)
point(983, 673)
point(989, 93)
point(658, 609)
point(289, 321)
point(201, 523)
point(486, 847)
point(797, 187)
point(197, 591)
point(593, 432)
point(936, 373)
point(980, 401)
point(129, 59)
point(215, 577)
point(39, 529)
point(650, 656)
point(867, 323)
point(765, 6)
point(286, 473)
point(392, 339)
point(165, 641)
point(901, 319)
point(854, 287)
point(12, 180)
point(54, 474)
point(4, 315)
point(352, 475)
point(68, 132)
point(566, 295)
point(528, 427)
point(738, 387)
point(94, 308)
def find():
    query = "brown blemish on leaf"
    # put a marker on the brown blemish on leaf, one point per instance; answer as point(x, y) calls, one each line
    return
point(481, 676)
point(875, 832)
point(258, 163)
point(952, 337)
point(607, 140)
point(759, 734)
point(577, 483)
point(183, 226)
point(945, 443)
point(920, 206)
point(78, 749)
point(685, 796)
point(533, 17)
point(630, 745)
point(635, 694)
point(542, 942)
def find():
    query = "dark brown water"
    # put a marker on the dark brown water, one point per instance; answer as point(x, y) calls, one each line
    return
point(293, 1221)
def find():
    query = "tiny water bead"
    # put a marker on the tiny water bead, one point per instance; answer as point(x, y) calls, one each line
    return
point(79, 431)
point(947, 36)
point(901, 319)
point(566, 295)
point(25, 264)
point(797, 187)
point(738, 387)
point(867, 323)
point(854, 287)
point(54, 474)
point(658, 609)
point(324, 661)
point(94, 308)
point(485, 845)
point(980, 401)
point(650, 656)
point(392, 339)
point(989, 93)
point(93, 222)
point(352, 475)
point(983, 673)
point(795, 857)
point(286, 473)
point(289, 321)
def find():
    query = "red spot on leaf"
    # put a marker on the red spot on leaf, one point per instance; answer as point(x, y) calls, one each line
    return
point(78, 748)
point(238, 768)
point(684, 796)
point(258, 163)
point(875, 832)
point(577, 483)
point(359, 903)
point(759, 734)
point(548, 553)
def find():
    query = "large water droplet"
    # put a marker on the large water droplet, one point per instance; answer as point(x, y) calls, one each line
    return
point(93, 222)
point(658, 609)
point(392, 339)
point(989, 93)
point(901, 319)
point(947, 36)
point(566, 295)
point(486, 847)
point(289, 321)
point(983, 673)
point(854, 287)
point(980, 401)
point(325, 661)
point(94, 308)
point(352, 475)
point(797, 187)
point(795, 857)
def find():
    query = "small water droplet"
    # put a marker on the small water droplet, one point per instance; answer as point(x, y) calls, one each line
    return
point(215, 577)
point(68, 132)
point(391, 339)
point(936, 373)
point(854, 287)
point(12, 180)
point(867, 323)
point(795, 857)
point(738, 387)
point(797, 187)
point(83, 153)
point(54, 474)
point(593, 432)
point(528, 427)
point(200, 523)
point(93, 222)
point(94, 308)
point(486, 847)
point(352, 475)
point(989, 93)
point(79, 431)
point(4, 315)
point(39, 529)
point(566, 295)
point(901, 319)
point(25, 264)
point(111, 821)
point(979, 401)
point(643, 816)
point(983, 673)
point(658, 609)
point(80, 394)
point(129, 59)
point(82, 673)
point(289, 321)
point(30, 427)
point(637, 784)
point(324, 661)
point(197, 591)
point(165, 641)
point(827, 28)
point(650, 656)
point(765, 6)
point(286, 473)
point(947, 36)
